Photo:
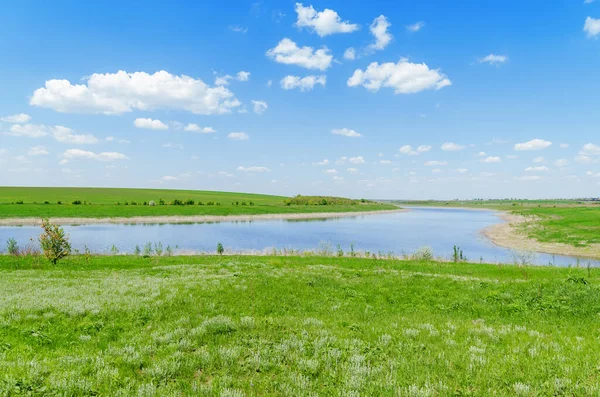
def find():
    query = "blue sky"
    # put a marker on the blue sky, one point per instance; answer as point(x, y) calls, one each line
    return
point(385, 99)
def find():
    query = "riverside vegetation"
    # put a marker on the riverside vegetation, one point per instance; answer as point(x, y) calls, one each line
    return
point(38, 202)
point(304, 325)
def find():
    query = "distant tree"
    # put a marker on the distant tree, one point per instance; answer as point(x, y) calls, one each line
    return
point(54, 242)
point(220, 249)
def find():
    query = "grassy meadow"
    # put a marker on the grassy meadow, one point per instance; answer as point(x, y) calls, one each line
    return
point(295, 326)
point(571, 222)
point(38, 202)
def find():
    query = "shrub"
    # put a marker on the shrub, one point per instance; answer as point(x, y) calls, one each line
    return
point(54, 242)
point(176, 202)
point(46, 202)
point(137, 250)
point(161, 202)
point(220, 249)
point(200, 203)
point(148, 249)
point(20, 202)
point(12, 247)
point(76, 202)
point(59, 202)
point(158, 249)
point(189, 202)
point(114, 250)
point(423, 254)
point(133, 203)
point(152, 203)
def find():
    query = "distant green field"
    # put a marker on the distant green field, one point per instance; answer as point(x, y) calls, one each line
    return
point(108, 202)
point(572, 222)
point(295, 326)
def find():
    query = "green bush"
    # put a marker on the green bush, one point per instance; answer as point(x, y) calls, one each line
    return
point(220, 249)
point(76, 202)
point(12, 247)
point(54, 242)
point(189, 202)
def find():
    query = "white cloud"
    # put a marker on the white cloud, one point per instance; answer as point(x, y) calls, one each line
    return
point(415, 27)
point(324, 22)
point(253, 169)
point(305, 83)
point(564, 145)
point(494, 59)
point(462, 170)
point(20, 118)
point(28, 130)
point(63, 162)
point(171, 145)
point(482, 154)
point(528, 178)
point(592, 27)
point(346, 132)
point(324, 162)
point(379, 29)
point(356, 160)
point(223, 80)
point(538, 160)
point(561, 163)
point(150, 124)
point(338, 178)
point(404, 77)
point(584, 159)
point(452, 147)
point(240, 136)
point(423, 148)
point(259, 107)
point(592, 174)
point(589, 149)
point(74, 154)
point(242, 76)
point(434, 163)
point(352, 170)
point(491, 159)
point(122, 92)
point(407, 149)
point(350, 54)
point(224, 173)
point(331, 171)
point(287, 52)
point(385, 162)
point(169, 178)
point(196, 128)
point(37, 151)
point(67, 135)
point(534, 144)
point(238, 29)
point(542, 168)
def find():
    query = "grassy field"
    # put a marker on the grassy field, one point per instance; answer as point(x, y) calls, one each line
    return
point(27, 202)
point(571, 222)
point(295, 326)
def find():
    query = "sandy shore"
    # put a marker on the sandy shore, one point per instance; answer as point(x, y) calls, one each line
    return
point(190, 219)
point(508, 235)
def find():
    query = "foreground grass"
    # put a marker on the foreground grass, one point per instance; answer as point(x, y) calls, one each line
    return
point(295, 326)
point(102, 202)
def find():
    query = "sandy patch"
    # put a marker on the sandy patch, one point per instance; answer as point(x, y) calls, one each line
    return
point(189, 219)
point(508, 235)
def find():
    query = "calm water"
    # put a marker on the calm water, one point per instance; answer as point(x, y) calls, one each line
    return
point(439, 229)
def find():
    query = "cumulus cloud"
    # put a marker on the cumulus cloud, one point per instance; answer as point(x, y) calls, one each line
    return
point(67, 135)
point(542, 168)
point(423, 148)
point(168, 178)
point(493, 59)
point(346, 132)
point(403, 77)
point(122, 92)
point(201, 130)
point(356, 160)
point(20, 118)
point(415, 27)
point(242, 76)
point(592, 27)
point(74, 154)
point(324, 162)
point(259, 107)
point(491, 159)
point(331, 171)
point(352, 170)
point(534, 144)
point(324, 22)
point(28, 130)
point(561, 163)
point(288, 52)
point(408, 150)
point(434, 163)
point(589, 149)
point(379, 29)
point(350, 54)
point(171, 145)
point(304, 84)
point(253, 168)
point(240, 136)
point(37, 151)
point(150, 124)
point(452, 147)
point(538, 160)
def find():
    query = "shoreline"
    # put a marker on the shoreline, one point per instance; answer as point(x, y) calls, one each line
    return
point(178, 219)
point(507, 235)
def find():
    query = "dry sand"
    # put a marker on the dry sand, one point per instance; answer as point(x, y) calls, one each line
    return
point(189, 219)
point(507, 234)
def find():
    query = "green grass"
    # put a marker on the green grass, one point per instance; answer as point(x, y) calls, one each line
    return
point(569, 222)
point(295, 326)
point(103, 203)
